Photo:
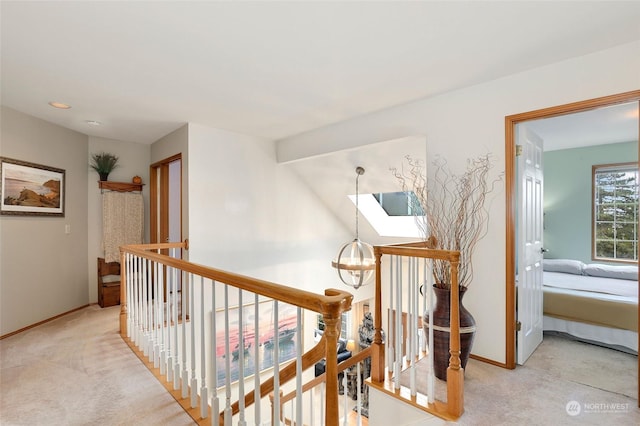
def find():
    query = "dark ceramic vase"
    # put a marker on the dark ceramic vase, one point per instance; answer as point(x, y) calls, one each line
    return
point(103, 176)
point(441, 331)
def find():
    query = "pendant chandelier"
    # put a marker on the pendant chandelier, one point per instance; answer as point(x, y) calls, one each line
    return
point(355, 261)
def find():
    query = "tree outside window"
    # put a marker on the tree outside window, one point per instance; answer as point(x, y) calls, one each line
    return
point(615, 212)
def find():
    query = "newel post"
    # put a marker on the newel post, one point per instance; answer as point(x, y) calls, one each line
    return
point(455, 373)
point(331, 333)
point(377, 346)
point(123, 294)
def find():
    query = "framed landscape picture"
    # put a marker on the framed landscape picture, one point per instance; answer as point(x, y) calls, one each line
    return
point(31, 189)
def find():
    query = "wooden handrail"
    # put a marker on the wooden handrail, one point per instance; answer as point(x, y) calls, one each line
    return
point(333, 303)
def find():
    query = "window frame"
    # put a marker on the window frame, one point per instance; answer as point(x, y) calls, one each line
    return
point(596, 168)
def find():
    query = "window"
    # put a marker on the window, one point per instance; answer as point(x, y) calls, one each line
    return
point(399, 203)
point(392, 214)
point(615, 212)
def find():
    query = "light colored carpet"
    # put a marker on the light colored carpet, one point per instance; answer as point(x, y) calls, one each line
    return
point(76, 370)
point(602, 383)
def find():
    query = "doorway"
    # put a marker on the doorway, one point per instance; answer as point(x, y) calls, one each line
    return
point(511, 182)
point(166, 200)
point(166, 207)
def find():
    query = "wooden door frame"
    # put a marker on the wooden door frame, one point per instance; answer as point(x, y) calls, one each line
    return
point(510, 188)
point(161, 213)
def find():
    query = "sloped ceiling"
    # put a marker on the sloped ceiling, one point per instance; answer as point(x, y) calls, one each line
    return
point(332, 177)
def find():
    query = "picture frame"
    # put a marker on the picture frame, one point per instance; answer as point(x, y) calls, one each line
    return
point(287, 334)
point(29, 189)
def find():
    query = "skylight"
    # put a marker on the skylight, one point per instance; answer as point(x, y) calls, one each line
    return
point(391, 214)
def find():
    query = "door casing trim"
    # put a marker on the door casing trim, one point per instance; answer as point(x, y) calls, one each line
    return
point(510, 195)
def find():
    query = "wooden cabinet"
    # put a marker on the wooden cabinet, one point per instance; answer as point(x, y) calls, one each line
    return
point(108, 283)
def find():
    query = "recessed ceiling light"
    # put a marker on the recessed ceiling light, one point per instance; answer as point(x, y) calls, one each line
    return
point(59, 105)
point(93, 123)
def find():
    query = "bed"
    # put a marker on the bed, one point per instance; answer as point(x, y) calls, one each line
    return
point(592, 302)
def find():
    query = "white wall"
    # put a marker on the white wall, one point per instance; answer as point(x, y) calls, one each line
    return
point(133, 160)
point(469, 122)
point(255, 217)
point(42, 269)
point(252, 216)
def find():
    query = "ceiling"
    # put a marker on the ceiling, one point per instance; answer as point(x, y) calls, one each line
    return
point(611, 124)
point(275, 69)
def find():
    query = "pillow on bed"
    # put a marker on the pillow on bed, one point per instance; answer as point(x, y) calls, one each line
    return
point(620, 272)
point(567, 266)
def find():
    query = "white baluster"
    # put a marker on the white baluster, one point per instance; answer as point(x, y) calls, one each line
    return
point(312, 414)
point(158, 318)
point(391, 352)
point(127, 285)
point(323, 389)
point(345, 398)
point(430, 375)
point(215, 401)
point(359, 393)
point(204, 398)
point(163, 324)
point(298, 366)
point(176, 347)
point(227, 359)
point(171, 291)
point(186, 297)
point(411, 329)
point(149, 309)
point(398, 323)
point(276, 363)
point(256, 359)
point(241, 346)
point(194, 380)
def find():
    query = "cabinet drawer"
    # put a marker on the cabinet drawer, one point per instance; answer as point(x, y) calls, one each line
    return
point(110, 295)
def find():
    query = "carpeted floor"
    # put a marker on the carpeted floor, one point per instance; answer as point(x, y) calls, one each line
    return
point(76, 370)
point(600, 382)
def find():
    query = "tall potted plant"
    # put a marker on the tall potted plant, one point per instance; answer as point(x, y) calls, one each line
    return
point(455, 218)
point(103, 163)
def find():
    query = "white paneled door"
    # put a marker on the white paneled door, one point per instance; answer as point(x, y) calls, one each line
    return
point(529, 243)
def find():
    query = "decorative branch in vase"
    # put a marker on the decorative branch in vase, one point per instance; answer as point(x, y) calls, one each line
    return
point(454, 218)
point(455, 215)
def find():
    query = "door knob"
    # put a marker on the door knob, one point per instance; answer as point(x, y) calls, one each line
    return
point(543, 250)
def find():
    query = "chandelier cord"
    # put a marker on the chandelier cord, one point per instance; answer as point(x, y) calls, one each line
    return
point(359, 171)
point(357, 209)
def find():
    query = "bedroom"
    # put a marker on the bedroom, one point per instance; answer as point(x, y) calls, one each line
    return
point(573, 145)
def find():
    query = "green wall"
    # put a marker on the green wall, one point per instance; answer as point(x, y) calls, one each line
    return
point(567, 196)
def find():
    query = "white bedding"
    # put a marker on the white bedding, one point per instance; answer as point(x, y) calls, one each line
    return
point(625, 288)
point(594, 295)
point(624, 293)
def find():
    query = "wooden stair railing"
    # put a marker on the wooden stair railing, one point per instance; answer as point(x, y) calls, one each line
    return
point(454, 406)
point(331, 305)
